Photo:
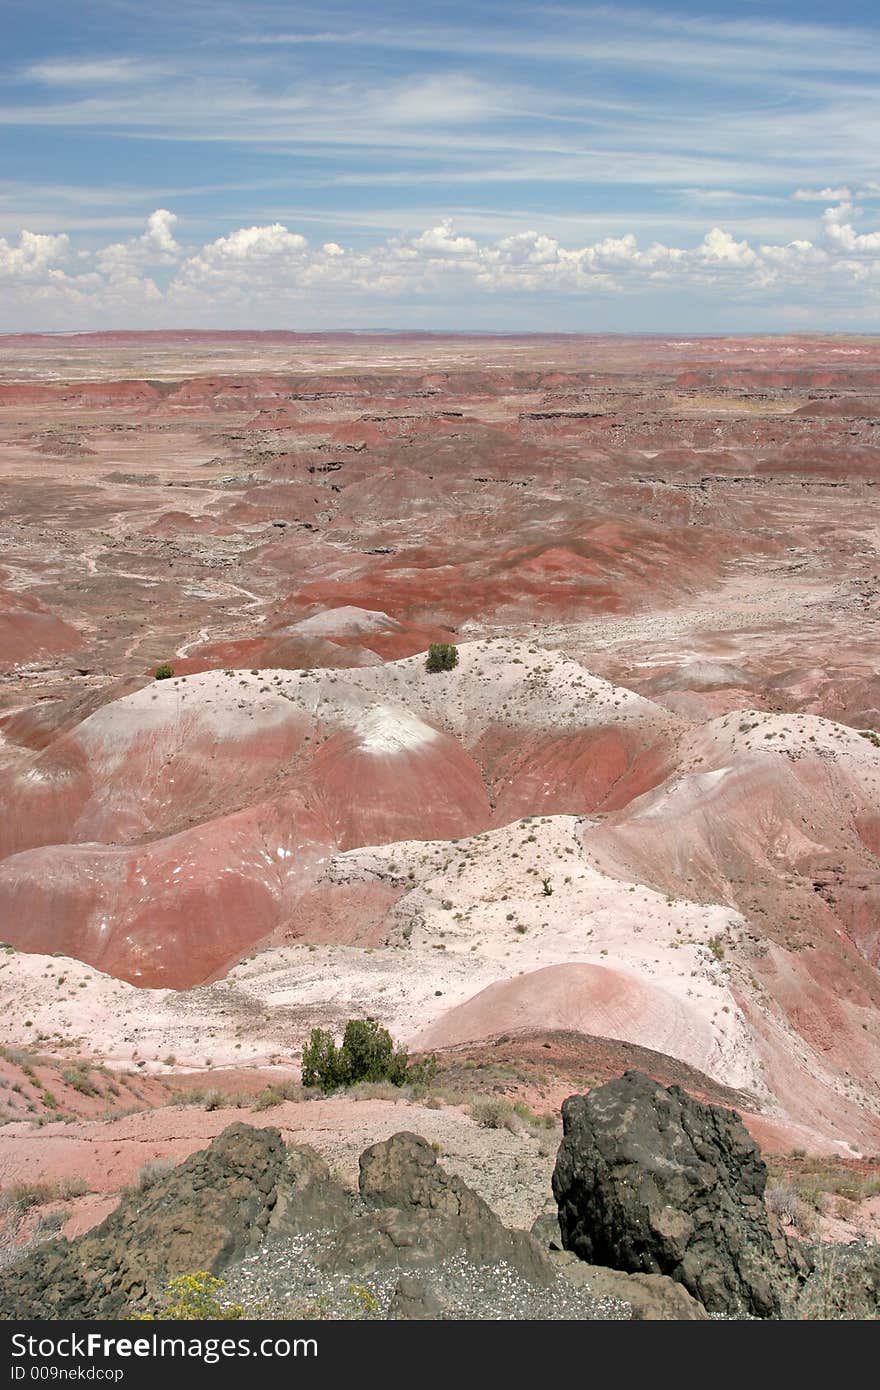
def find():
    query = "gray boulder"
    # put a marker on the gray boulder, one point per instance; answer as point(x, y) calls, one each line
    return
point(415, 1300)
point(649, 1181)
point(545, 1229)
point(217, 1206)
point(419, 1214)
point(652, 1297)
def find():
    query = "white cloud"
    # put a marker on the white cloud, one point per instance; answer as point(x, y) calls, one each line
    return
point(156, 247)
point(253, 244)
point(822, 195)
point(443, 241)
point(36, 256)
point(719, 247)
point(160, 234)
point(840, 232)
point(98, 73)
point(799, 253)
point(266, 272)
point(448, 97)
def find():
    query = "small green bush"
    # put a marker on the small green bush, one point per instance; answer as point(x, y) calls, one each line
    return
point(442, 656)
point(164, 672)
point(367, 1054)
point(266, 1099)
point(79, 1079)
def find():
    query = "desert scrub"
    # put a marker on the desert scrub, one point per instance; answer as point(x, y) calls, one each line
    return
point(494, 1112)
point(276, 1094)
point(79, 1079)
point(791, 1208)
point(152, 1171)
point(442, 656)
point(193, 1298)
point(24, 1196)
point(380, 1090)
point(842, 1285)
point(367, 1054)
point(164, 672)
point(816, 1178)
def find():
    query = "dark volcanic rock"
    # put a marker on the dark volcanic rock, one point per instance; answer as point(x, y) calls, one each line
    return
point(207, 1213)
point(420, 1214)
point(220, 1204)
point(649, 1181)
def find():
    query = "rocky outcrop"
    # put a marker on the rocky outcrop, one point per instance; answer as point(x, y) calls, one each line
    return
point(209, 1212)
point(649, 1181)
point(223, 1202)
point(652, 1297)
point(420, 1214)
point(660, 1211)
point(415, 1300)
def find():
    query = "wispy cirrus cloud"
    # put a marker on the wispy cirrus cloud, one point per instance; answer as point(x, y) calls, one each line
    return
point(607, 132)
point(98, 72)
point(609, 35)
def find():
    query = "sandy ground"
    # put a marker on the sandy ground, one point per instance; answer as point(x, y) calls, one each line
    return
point(511, 1171)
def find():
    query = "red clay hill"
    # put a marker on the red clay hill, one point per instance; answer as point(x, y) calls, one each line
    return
point(644, 806)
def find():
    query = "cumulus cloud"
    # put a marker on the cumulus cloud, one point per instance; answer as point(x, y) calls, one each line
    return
point(262, 273)
point(719, 248)
point(254, 244)
point(840, 232)
point(156, 247)
point(35, 256)
point(443, 240)
point(160, 234)
point(255, 258)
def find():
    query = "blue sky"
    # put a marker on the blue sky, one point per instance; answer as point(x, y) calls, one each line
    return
point(582, 167)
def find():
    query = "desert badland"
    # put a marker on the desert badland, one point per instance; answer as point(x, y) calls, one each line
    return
point(638, 824)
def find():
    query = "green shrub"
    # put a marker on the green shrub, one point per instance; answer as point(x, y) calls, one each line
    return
point(79, 1079)
point(367, 1054)
point(164, 672)
point(265, 1100)
point(442, 656)
point(322, 1062)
